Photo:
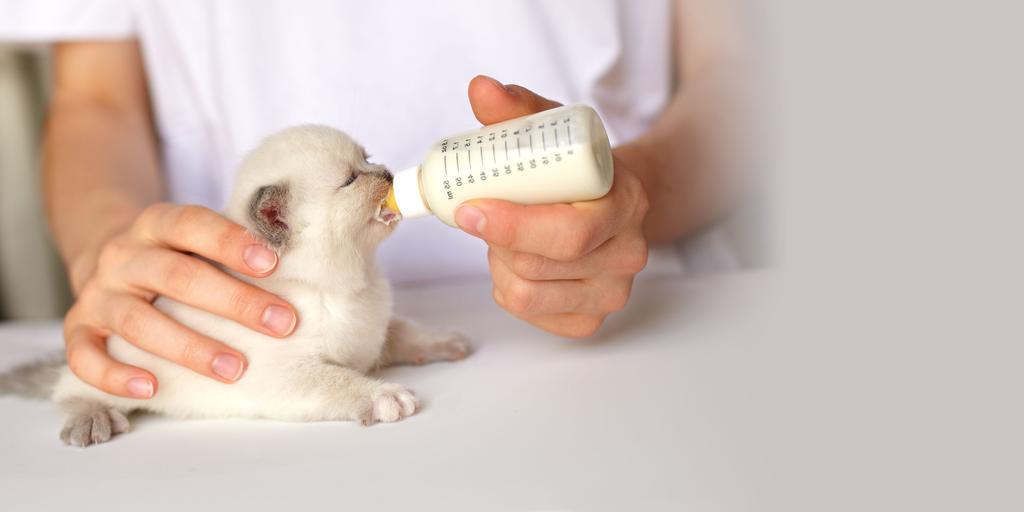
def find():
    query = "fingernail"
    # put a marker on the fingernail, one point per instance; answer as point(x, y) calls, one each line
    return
point(140, 388)
point(470, 219)
point(260, 259)
point(227, 366)
point(278, 319)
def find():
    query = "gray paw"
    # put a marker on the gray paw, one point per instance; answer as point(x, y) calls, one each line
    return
point(93, 424)
point(451, 346)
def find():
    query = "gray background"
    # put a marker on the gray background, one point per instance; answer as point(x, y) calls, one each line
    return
point(895, 136)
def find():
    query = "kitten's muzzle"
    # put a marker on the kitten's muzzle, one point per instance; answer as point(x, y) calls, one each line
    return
point(381, 181)
point(382, 173)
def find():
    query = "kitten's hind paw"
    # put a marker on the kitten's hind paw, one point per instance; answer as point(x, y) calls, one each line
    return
point(408, 343)
point(451, 346)
point(89, 422)
point(428, 347)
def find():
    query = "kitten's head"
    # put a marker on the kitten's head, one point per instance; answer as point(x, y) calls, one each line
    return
point(310, 192)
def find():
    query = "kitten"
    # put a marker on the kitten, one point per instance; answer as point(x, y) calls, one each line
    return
point(310, 192)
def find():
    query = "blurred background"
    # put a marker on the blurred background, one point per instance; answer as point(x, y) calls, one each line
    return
point(32, 281)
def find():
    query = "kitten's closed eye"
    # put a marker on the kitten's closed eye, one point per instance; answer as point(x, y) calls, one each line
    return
point(350, 179)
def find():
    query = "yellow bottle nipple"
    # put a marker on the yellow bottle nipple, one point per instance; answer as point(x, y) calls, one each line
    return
point(390, 202)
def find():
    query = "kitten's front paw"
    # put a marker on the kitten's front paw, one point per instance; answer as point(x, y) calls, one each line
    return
point(388, 403)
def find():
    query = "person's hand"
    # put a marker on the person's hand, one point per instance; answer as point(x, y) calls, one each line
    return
point(560, 267)
point(152, 258)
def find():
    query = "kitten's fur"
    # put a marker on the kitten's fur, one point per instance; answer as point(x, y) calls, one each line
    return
point(290, 190)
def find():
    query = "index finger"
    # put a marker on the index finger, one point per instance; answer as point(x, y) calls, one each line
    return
point(562, 232)
point(202, 231)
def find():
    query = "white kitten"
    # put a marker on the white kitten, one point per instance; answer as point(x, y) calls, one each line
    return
point(311, 193)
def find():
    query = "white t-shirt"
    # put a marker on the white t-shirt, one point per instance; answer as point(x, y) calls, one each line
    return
point(391, 73)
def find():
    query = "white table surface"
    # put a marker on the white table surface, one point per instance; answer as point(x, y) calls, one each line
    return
point(659, 411)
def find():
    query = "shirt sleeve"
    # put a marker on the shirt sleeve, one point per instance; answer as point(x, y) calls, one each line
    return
point(47, 21)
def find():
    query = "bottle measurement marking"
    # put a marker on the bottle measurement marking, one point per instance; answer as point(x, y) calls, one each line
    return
point(519, 147)
point(468, 146)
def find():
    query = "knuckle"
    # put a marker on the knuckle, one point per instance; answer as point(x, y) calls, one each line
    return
point(245, 303)
point(72, 321)
point(191, 352)
point(107, 379)
point(89, 296)
point(88, 310)
point(639, 199)
point(576, 243)
point(615, 301)
point(635, 259)
point(506, 234)
point(180, 276)
point(492, 257)
point(529, 266)
point(130, 321)
point(185, 219)
point(226, 240)
point(520, 297)
point(113, 254)
point(146, 217)
point(98, 377)
point(632, 191)
point(643, 205)
point(582, 328)
point(190, 214)
point(149, 218)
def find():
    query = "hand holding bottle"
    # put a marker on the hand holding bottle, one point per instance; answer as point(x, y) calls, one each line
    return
point(561, 267)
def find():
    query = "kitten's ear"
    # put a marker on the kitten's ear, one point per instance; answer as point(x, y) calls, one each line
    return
point(268, 211)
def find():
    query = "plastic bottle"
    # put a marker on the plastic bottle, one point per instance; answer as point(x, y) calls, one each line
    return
point(556, 156)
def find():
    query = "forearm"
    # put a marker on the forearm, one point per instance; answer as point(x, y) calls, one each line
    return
point(100, 170)
point(689, 160)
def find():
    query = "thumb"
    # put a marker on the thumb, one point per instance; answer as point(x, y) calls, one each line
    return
point(493, 102)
